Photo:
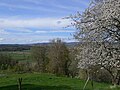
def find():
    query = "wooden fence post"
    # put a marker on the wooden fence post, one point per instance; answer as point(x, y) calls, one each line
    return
point(20, 84)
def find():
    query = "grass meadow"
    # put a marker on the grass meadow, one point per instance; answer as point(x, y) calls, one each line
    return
point(37, 81)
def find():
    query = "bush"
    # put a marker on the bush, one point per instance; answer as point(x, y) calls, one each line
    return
point(6, 61)
point(96, 74)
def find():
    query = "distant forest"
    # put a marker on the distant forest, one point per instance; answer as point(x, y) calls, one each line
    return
point(22, 47)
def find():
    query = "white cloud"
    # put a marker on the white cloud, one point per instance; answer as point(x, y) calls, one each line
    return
point(1, 39)
point(33, 1)
point(69, 8)
point(31, 39)
point(41, 7)
point(83, 2)
point(39, 31)
point(3, 32)
point(35, 22)
point(13, 6)
point(55, 31)
point(58, 5)
point(64, 31)
point(22, 30)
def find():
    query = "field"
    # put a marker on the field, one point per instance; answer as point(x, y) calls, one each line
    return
point(21, 56)
point(41, 81)
point(37, 81)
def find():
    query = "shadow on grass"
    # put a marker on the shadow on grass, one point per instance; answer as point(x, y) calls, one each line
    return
point(35, 87)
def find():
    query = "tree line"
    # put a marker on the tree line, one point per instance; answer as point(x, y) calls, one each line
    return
point(54, 58)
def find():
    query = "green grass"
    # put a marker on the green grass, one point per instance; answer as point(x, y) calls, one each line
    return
point(21, 56)
point(36, 81)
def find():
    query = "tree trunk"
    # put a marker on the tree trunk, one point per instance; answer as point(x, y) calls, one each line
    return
point(115, 81)
point(86, 83)
point(20, 84)
point(87, 79)
point(118, 82)
point(92, 84)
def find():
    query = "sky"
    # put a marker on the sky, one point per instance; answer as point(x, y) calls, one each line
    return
point(37, 21)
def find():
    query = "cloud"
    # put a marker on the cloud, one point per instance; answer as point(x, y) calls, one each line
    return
point(39, 31)
point(69, 8)
point(33, 30)
point(19, 22)
point(23, 39)
point(82, 2)
point(21, 30)
point(33, 1)
point(57, 8)
point(3, 32)
point(55, 31)
point(35, 22)
point(11, 6)
point(54, 6)
point(1, 39)
point(57, 4)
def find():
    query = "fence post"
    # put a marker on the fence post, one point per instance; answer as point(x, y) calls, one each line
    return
point(20, 84)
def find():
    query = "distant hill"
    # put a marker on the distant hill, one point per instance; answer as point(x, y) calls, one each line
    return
point(21, 47)
point(14, 47)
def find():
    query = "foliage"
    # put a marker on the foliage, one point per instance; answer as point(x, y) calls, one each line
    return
point(6, 61)
point(39, 54)
point(59, 58)
point(73, 68)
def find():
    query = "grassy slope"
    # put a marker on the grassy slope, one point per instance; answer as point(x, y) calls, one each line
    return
point(38, 81)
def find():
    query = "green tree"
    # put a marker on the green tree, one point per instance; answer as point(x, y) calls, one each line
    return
point(59, 58)
point(73, 68)
point(39, 56)
point(6, 61)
